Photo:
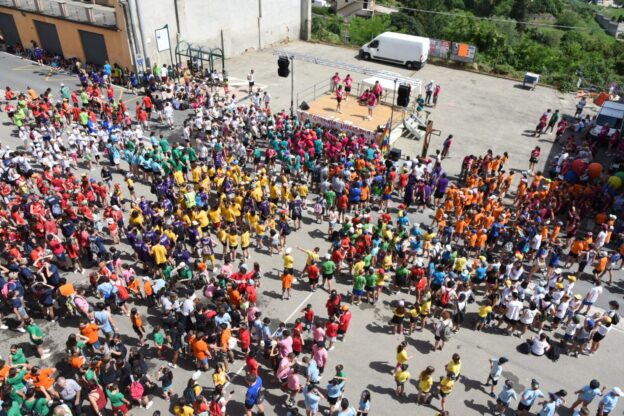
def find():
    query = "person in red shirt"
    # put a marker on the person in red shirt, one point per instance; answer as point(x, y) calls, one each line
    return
point(313, 276)
point(297, 345)
point(244, 338)
point(342, 203)
point(344, 321)
point(251, 365)
point(331, 332)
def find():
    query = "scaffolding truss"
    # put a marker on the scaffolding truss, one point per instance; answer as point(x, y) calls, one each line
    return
point(389, 75)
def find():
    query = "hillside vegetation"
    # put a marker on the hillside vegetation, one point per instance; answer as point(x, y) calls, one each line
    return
point(505, 44)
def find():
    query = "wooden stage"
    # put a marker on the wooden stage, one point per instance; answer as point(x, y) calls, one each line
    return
point(353, 113)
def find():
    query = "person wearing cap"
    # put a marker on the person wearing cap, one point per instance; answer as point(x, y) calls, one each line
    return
point(612, 260)
point(609, 402)
point(603, 326)
point(446, 386)
point(600, 267)
point(528, 397)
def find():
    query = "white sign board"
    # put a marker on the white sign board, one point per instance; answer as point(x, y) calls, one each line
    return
point(162, 39)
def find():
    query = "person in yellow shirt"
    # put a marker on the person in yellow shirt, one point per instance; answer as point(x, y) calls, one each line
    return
point(232, 240)
point(312, 256)
point(454, 366)
point(425, 383)
point(159, 253)
point(215, 216)
point(401, 376)
point(447, 384)
point(201, 217)
point(484, 312)
point(245, 242)
point(289, 261)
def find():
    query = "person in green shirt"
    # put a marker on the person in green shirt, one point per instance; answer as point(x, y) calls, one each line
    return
point(117, 399)
point(330, 197)
point(359, 282)
point(36, 335)
point(327, 271)
point(16, 378)
point(17, 356)
point(159, 340)
point(39, 405)
point(12, 407)
point(371, 285)
point(164, 144)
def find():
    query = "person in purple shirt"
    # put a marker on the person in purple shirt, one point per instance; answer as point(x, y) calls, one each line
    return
point(440, 189)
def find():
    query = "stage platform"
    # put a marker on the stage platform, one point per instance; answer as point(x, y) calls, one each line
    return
point(353, 117)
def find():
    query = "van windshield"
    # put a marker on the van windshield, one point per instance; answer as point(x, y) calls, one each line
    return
point(613, 122)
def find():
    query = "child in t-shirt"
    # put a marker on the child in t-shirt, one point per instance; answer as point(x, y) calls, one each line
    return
point(159, 340)
point(287, 280)
point(496, 370)
point(484, 313)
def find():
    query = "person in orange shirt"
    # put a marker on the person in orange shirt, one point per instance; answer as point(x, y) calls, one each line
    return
point(137, 325)
point(224, 343)
point(4, 370)
point(481, 239)
point(576, 247)
point(149, 290)
point(287, 280)
point(76, 359)
point(92, 333)
point(601, 265)
point(201, 351)
point(42, 378)
point(134, 288)
point(460, 226)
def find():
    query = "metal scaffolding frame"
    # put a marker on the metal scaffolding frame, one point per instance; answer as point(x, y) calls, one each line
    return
point(389, 75)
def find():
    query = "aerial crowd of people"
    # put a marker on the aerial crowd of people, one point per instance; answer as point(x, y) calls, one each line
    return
point(237, 184)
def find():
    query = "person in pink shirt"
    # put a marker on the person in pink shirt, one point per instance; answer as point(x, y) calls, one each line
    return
point(320, 355)
point(372, 102)
point(377, 90)
point(294, 385)
point(318, 332)
point(284, 368)
point(285, 344)
point(334, 81)
point(339, 96)
point(348, 82)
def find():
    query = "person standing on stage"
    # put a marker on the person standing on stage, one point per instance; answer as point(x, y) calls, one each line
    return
point(339, 96)
point(334, 81)
point(372, 102)
point(348, 81)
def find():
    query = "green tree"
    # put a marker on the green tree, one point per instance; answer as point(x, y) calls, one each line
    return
point(405, 23)
point(362, 30)
point(568, 18)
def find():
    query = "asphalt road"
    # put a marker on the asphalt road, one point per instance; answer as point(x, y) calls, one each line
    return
point(483, 112)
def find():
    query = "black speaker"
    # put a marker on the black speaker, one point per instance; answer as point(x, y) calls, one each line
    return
point(395, 154)
point(403, 98)
point(282, 67)
point(304, 106)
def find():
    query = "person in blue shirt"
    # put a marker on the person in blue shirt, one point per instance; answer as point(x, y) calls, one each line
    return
point(505, 397)
point(254, 396)
point(312, 372)
point(311, 398)
point(528, 397)
point(586, 394)
point(549, 407)
point(609, 401)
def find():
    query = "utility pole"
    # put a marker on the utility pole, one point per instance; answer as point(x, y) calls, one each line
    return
point(429, 130)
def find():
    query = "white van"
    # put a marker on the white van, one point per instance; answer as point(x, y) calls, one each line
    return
point(398, 48)
point(611, 113)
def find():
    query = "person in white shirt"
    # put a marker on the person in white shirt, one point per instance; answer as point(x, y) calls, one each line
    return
point(592, 296)
point(512, 313)
point(168, 110)
point(251, 79)
point(539, 345)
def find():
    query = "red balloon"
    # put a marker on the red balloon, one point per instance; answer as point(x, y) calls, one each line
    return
point(578, 166)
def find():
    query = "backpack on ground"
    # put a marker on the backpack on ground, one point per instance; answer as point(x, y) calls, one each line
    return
point(554, 353)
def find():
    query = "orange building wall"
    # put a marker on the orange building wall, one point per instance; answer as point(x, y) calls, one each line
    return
point(116, 39)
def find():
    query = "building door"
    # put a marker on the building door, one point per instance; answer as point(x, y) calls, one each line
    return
point(94, 47)
point(9, 30)
point(48, 38)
